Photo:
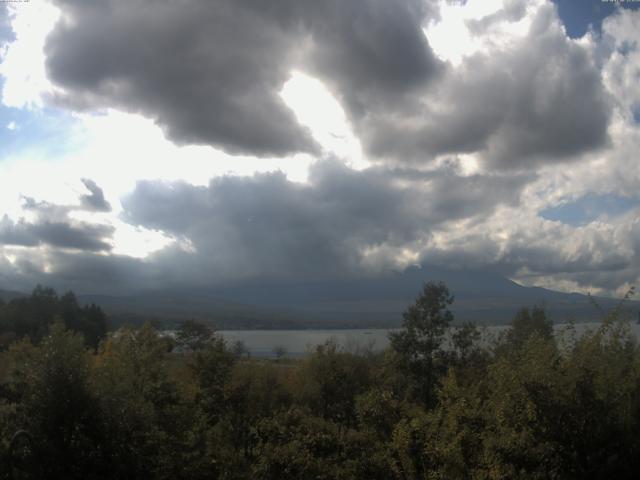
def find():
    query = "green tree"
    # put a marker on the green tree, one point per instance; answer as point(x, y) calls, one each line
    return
point(294, 445)
point(240, 349)
point(419, 342)
point(254, 391)
point(50, 386)
point(280, 351)
point(329, 380)
point(89, 320)
point(527, 323)
point(193, 335)
point(33, 316)
point(465, 342)
point(147, 423)
point(212, 367)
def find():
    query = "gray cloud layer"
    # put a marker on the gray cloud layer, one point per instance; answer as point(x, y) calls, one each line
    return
point(210, 72)
point(82, 236)
point(343, 222)
point(266, 225)
point(95, 201)
point(54, 227)
point(538, 100)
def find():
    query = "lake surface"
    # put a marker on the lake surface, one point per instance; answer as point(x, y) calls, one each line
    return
point(297, 343)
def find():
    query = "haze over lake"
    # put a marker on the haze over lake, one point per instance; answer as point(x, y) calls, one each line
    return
point(297, 343)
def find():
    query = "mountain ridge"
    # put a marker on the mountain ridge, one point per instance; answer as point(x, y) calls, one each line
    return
point(481, 296)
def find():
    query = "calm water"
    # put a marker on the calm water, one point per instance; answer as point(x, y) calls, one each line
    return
point(297, 343)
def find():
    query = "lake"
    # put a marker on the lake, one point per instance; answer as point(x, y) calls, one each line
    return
point(297, 343)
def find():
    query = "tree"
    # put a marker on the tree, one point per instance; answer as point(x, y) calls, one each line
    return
point(280, 351)
point(94, 325)
point(296, 445)
point(240, 349)
point(212, 367)
point(33, 316)
point(89, 320)
point(193, 335)
point(54, 402)
point(146, 424)
point(329, 381)
point(419, 343)
point(529, 323)
point(465, 340)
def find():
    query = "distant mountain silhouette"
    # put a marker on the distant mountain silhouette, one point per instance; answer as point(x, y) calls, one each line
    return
point(480, 296)
point(8, 295)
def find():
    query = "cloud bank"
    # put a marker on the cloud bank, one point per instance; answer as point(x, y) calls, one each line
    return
point(464, 151)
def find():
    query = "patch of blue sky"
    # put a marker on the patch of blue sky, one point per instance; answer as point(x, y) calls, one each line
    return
point(43, 132)
point(635, 112)
point(627, 47)
point(590, 207)
point(32, 132)
point(6, 32)
point(46, 133)
point(579, 15)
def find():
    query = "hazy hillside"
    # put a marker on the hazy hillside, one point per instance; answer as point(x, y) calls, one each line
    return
point(7, 295)
point(483, 297)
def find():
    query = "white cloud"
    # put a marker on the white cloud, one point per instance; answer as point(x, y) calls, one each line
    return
point(23, 62)
point(467, 28)
point(117, 150)
point(315, 107)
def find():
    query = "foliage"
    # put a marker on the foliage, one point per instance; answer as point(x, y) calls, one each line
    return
point(295, 445)
point(193, 335)
point(436, 405)
point(49, 389)
point(329, 381)
point(211, 368)
point(528, 323)
point(33, 316)
point(419, 343)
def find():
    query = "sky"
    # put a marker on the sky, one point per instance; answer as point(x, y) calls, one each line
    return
point(149, 145)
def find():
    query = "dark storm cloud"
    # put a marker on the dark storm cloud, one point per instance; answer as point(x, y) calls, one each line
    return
point(267, 225)
point(46, 210)
point(16, 233)
point(210, 72)
point(88, 272)
point(95, 201)
point(343, 222)
point(53, 226)
point(539, 100)
point(373, 53)
point(263, 226)
point(81, 236)
point(82, 272)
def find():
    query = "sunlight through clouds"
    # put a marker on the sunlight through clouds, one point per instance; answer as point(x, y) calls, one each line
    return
point(317, 109)
point(471, 118)
point(466, 28)
point(23, 65)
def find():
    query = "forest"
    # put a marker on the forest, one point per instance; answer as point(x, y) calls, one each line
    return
point(79, 402)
